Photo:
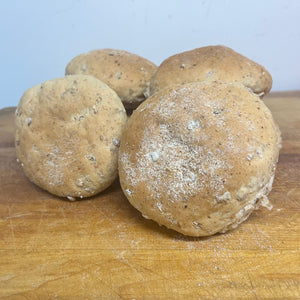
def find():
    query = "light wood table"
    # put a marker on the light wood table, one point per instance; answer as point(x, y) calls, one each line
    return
point(102, 248)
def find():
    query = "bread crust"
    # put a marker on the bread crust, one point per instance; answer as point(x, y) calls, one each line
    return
point(199, 157)
point(126, 73)
point(211, 63)
point(67, 135)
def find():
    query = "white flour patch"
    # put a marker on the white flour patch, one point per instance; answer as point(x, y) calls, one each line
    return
point(171, 166)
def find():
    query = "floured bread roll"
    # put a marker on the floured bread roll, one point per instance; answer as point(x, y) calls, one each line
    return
point(67, 135)
point(126, 73)
point(212, 63)
point(199, 157)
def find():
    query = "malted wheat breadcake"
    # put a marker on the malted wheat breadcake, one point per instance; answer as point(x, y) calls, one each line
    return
point(211, 63)
point(126, 73)
point(199, 157)
point(67, 135)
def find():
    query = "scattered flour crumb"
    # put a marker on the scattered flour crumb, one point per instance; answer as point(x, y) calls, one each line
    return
point(128, 191)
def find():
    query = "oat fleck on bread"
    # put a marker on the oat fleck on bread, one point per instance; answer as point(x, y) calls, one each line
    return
point(199, 157)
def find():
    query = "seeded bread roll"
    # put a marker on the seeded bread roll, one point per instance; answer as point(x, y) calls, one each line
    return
point(126, 73)
point(199, 157)
point(67, 135)
point(212, 63)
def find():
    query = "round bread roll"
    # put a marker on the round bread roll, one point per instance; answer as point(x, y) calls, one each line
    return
point(199, 157)
point(126, 73)
point(68, 133)
point(212, 63)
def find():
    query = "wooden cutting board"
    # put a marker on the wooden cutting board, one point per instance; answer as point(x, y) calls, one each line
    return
point(102, 248)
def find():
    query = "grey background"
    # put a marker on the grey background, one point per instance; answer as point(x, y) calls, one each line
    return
point(38, 38)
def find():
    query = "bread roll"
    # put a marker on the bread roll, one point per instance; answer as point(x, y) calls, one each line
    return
point(67, 135)
point(212, 63)
point(199, 157)
point(126, 73)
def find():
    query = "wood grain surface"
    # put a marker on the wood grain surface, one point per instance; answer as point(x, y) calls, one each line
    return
point(102, 248)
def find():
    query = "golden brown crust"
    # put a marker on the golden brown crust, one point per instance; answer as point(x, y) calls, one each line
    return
point(210, 64)
point(199, 157)
point(126, 73)
point(67, 135)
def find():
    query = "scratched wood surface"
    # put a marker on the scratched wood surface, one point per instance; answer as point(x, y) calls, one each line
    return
point(102, 248)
